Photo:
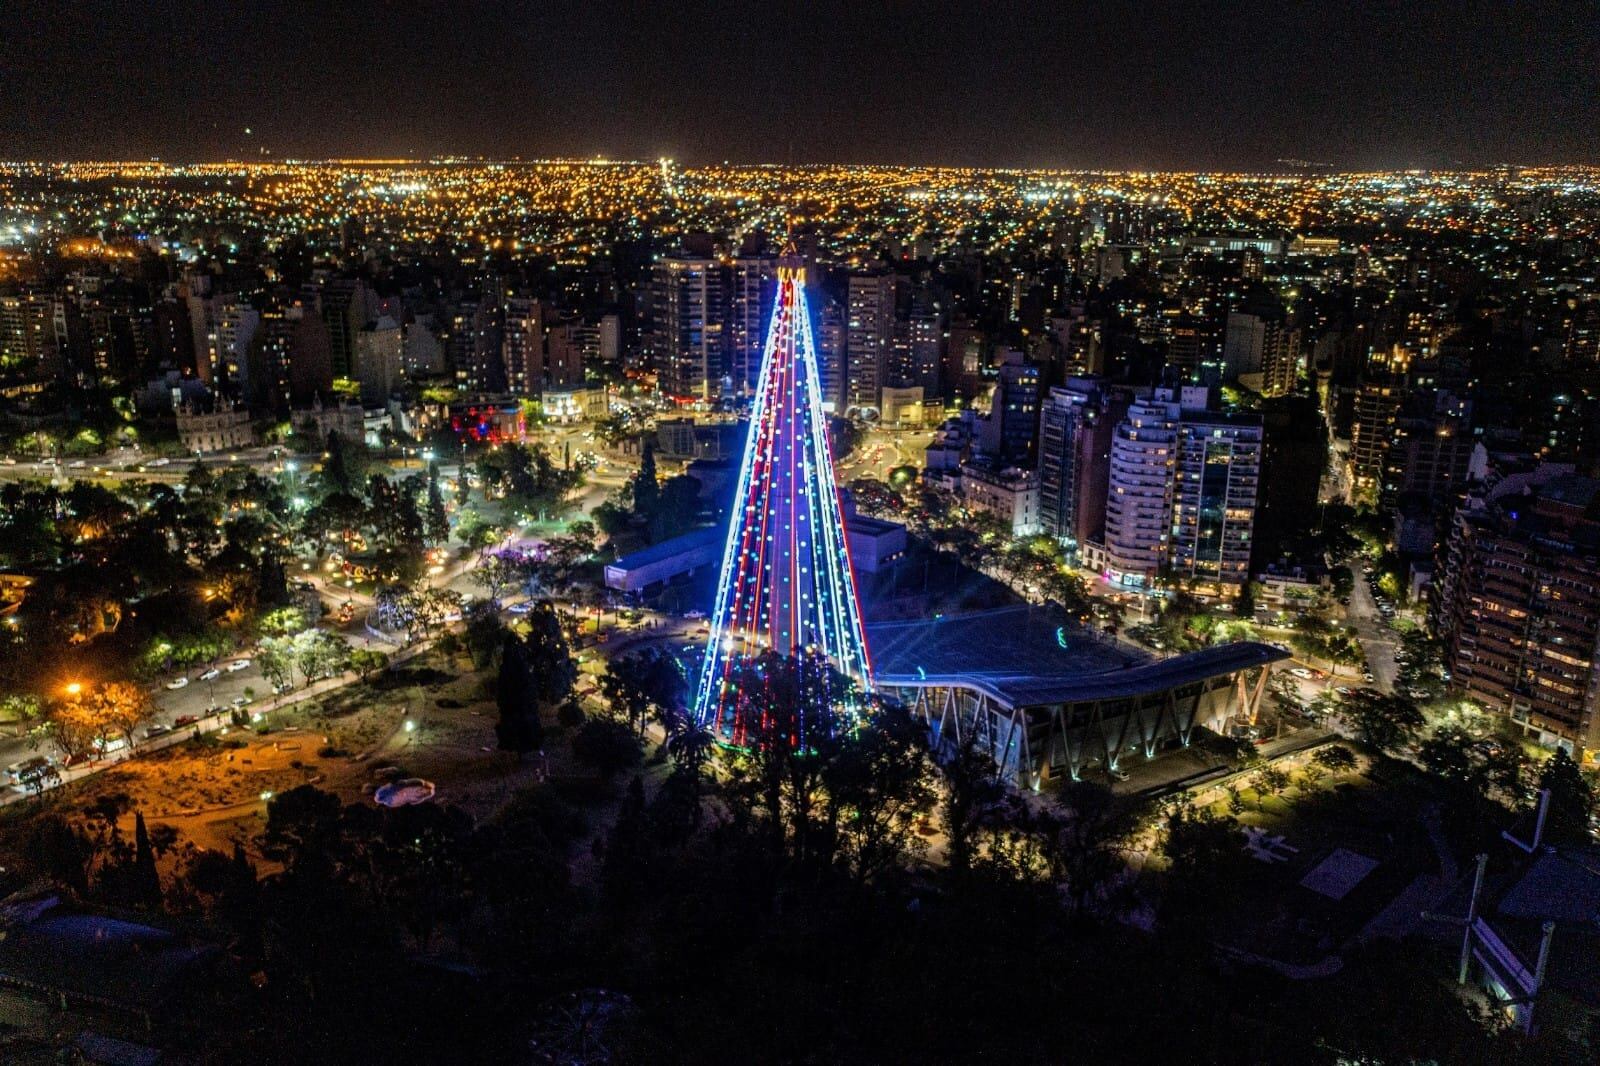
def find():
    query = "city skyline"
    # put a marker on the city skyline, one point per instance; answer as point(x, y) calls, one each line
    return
point(484, 577)
point(1111, 86)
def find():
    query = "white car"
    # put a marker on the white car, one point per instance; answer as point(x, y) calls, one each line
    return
point(694, 616)
point(163, 461)
point(520, 608)
point(210, 675)
point(77, 464)
point(237, 665)
point(177, 682)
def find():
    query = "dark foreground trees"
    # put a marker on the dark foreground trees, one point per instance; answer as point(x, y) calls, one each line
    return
point(838, 901)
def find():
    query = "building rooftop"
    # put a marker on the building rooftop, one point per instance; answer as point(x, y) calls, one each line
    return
point(1028, 656)
point(95, 958)
point(691, 541)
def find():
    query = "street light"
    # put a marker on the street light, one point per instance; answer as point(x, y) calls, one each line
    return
point(74, 688)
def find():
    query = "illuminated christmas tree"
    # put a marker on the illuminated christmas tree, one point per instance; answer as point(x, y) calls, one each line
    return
point(787, 586)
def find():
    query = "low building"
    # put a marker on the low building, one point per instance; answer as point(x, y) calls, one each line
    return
point(574, 403)
point(482, 419)
point(874, 543)
point(1045, 697)
point(92, 963)
point(685, 439)
point(227, 429)
point(1291, 586)
point(346, 419)
point(902, 407)
point(660, 563)
point(1010, 494)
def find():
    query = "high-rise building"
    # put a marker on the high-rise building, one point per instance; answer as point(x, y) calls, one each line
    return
point(563, 354)
point(753, 282)
point(1182, 491)
point(1242, 345)
point(1012, 427)
point(522, 344)
point(1377, 402)
point(964, 359)
point(1430, 448)
point(1139, 499)
point(342, 303)
point(27, 329)
point(1075, 429)
point(472, 345)
point(237, 323)
point(869, 325)
point(832, 339)
point(266, 379)
point(1518, 603)
point(1214, 498)
point(423, 354)
point(1191, 345)
point(1262, 352)
point(379, 360)
point(926, 337)
point(688, 308)
point(610, 337)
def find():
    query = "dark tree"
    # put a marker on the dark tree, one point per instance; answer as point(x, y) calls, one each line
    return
point(1386, 722)
point(519, 729)
point(606, 746)
point(335, 477)
point(1571, 799)
point(646, 490)
point(146, 883)
point(549, 656)
point(436, 522)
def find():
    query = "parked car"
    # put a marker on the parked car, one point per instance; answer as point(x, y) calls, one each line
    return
point(183, 720)
point(237, 665)
point(156, 730)
point(26, 770)
point(210, 675)
point(177, 683)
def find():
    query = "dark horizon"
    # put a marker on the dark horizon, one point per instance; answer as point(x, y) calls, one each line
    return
point(1210, 87)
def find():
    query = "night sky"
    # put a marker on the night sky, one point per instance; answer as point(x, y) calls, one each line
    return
point(1175, 84)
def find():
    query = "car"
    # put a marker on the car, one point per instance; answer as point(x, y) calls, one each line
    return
point(183, 720)
point(27, 769)
point(177, 683)
point(210, 675)
point(1117, 774)
point(1368, 678)
point(77, 464)
point(240, 701)
point(163, 461)
point(9, 461)
point(237, 665)
point(694, 616)
point(156, 730)
point(1301, 672)
point(520, 608)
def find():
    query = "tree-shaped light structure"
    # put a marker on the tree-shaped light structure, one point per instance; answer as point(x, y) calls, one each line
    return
point(787, 585)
